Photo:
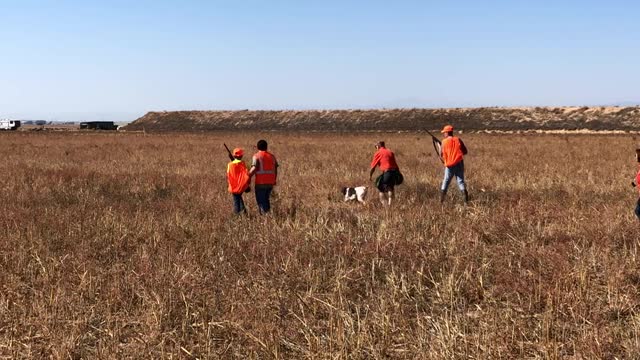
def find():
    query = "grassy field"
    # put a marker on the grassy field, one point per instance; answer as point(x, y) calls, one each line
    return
point(124, 246)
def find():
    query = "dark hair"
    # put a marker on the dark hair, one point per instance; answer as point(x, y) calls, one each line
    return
point(380, 143)
point(262, 145)
point(450, 133)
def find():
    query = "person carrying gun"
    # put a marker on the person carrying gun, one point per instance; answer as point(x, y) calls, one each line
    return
point(636, 182)
point(452, 152)
point(237, 179)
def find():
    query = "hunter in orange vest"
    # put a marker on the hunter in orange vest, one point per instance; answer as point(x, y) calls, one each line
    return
point(238, 180)
point(265, 169)
point(452, 153)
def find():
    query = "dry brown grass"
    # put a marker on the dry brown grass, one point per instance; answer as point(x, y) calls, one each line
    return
point(478, 119)
point(123, 246)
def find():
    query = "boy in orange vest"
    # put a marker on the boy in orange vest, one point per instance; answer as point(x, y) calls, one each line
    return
point(264, 167)
point(238, 180)
point(452, 153)
point(636, 182)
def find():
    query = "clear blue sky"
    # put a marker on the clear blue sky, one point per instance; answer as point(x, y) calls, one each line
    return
point(115, 60)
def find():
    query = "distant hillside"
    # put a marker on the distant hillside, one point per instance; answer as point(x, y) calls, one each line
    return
point(539, 118)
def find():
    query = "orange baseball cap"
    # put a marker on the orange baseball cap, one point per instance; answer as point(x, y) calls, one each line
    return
point(238, 152)
point(447, 128)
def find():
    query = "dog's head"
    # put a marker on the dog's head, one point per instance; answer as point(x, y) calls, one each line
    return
point(348, 191)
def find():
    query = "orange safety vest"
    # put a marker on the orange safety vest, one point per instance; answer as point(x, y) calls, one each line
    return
point(237, 176)
point(451, 151)
point(266, 170)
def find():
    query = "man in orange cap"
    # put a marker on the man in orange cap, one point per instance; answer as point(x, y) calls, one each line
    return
point(452, 153)
point(238, 179)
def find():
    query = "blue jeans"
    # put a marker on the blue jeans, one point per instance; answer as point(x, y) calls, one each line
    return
point(262, 198)
point(238, 204)
point(456, 170)
point(637, 211)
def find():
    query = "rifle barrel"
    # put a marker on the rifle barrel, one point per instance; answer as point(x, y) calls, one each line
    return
point(228, 151)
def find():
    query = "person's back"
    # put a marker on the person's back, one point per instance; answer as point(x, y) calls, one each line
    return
point(238, 180)
point(265, 164)
point(453, 151)
point(385, 158)
point(264, 167)
point(237, 176)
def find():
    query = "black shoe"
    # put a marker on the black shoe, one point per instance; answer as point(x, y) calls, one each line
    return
point(465, 196)
point(443, 194)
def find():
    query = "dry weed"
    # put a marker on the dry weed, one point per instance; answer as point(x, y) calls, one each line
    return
point(123, 245)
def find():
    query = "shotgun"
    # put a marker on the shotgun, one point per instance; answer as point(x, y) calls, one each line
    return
point(228, 152)
point(437, 145)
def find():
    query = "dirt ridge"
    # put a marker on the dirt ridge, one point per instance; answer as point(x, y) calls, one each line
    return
point(471, 119)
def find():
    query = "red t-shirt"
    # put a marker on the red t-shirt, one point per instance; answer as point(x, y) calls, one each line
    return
point(385, 159)
point(638, 180)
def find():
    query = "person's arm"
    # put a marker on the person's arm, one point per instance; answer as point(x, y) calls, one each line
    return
point(254, 165)
point(374, 163)
point(463, 148)
point(371, 173)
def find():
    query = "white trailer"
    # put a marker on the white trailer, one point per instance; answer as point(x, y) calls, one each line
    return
point(9, 124)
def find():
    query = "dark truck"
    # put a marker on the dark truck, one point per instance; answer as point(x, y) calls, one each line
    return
point(98, 125)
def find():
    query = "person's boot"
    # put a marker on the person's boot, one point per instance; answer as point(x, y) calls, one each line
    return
point(443, 194)
point(465, 196)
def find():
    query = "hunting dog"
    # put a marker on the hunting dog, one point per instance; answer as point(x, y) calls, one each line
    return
point(355, 193)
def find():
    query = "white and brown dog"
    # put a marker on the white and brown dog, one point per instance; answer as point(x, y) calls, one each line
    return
point(355, 193)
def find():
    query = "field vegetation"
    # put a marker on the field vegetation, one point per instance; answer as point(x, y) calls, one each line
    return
point(124, 246)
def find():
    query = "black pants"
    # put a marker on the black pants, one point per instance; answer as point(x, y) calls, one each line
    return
point(263, 194)
point(388, 181)
point(637, 211)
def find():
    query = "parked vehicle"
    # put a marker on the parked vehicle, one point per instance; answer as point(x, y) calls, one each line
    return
point(9, 124)
point(98, 125)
